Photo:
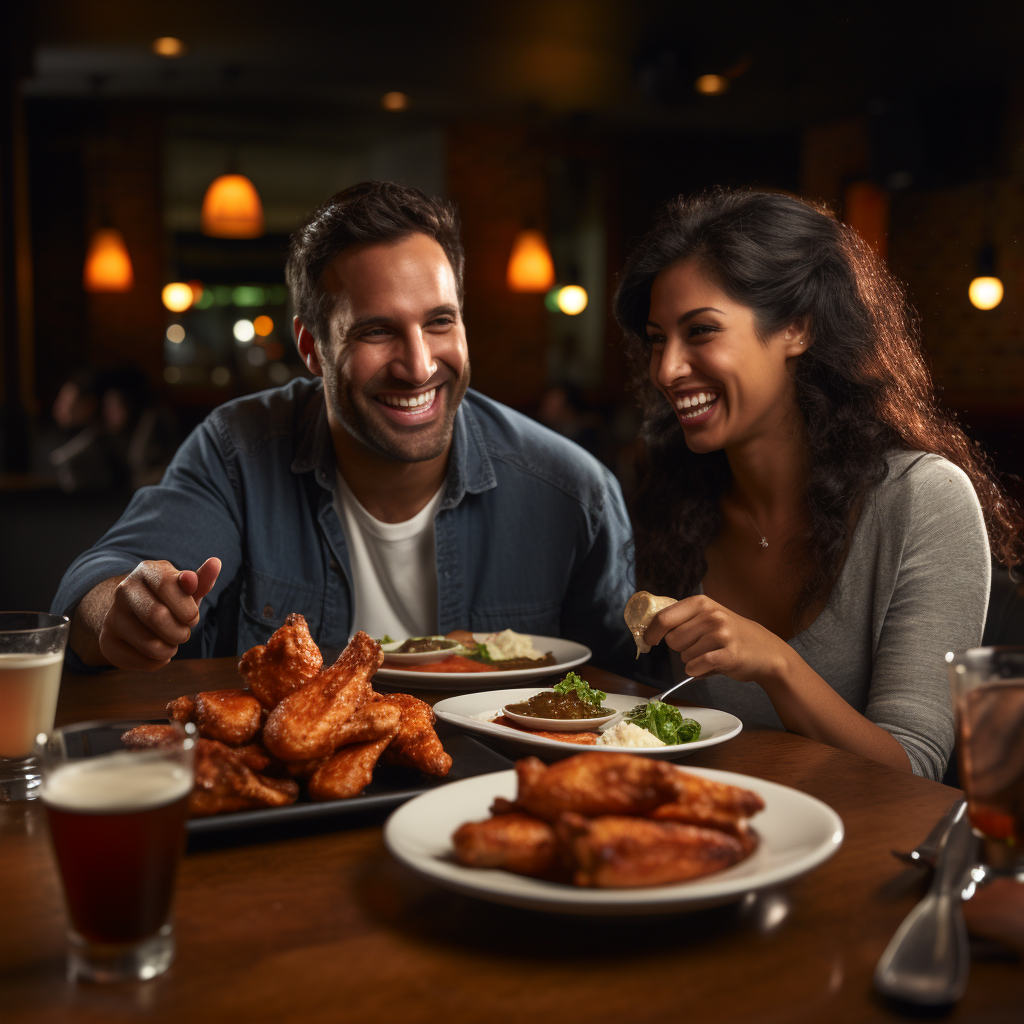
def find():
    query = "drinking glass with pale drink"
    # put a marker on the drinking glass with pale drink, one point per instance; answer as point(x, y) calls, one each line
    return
point(31, 660)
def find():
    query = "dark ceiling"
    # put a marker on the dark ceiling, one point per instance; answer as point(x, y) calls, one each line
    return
point(626, 64)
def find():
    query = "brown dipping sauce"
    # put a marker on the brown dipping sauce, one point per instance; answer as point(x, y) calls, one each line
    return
point(422, 644)
point(557, 705)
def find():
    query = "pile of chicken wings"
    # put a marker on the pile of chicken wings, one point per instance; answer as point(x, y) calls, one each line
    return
point(296, 722)
point(612, 820)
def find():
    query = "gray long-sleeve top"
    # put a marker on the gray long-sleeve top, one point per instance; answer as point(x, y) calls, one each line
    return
point(914, 586)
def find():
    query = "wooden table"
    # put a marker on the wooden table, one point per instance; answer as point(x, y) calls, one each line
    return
point(320, 924)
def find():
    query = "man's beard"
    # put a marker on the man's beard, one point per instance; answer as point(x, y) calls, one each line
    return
point(354, 411)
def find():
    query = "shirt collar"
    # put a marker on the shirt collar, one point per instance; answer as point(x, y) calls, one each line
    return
point(469, 467)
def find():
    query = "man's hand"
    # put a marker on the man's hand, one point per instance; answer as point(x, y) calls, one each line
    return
point(141, 619)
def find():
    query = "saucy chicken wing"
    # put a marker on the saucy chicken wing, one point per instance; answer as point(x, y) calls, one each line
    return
point(143, 736)
point(348, 772)
point(182, 709)
point(593, 784)
point(284, 664)
point(416, 745)
point(225, 783)
point(307, 722)
point(516, 842)
point(228, 716)
point(614, 851)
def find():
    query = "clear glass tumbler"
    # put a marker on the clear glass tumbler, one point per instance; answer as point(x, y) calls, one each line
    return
point(988, 702)
point(31, 661)
point(117, 823)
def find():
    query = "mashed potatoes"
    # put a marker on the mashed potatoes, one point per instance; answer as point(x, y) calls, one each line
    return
point(628, 734)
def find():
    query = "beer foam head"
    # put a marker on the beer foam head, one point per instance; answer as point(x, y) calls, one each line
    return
point(121, 783)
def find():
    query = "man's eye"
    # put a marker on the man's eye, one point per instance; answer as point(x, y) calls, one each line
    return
point(442, 321)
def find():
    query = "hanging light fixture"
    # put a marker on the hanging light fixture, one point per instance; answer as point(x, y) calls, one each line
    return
point(232, 208)
point(986, 290)
point(108, 267)
point(530, 268)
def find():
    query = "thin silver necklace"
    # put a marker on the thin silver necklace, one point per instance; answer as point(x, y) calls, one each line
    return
point(764, 539)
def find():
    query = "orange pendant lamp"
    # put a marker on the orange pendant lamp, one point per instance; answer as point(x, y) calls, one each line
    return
point(232, 208)
point(108, 267)
point(530, 268)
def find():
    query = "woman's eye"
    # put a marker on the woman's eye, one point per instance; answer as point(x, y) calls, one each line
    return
point(655, 340)
point(701, 330)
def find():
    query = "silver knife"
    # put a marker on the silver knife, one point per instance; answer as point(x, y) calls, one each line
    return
point(928, 958)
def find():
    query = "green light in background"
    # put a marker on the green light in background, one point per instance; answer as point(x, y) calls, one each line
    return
point(222, 295)
point(278, 294)
point(551, 299)
point(206, 299)
point(248, 295)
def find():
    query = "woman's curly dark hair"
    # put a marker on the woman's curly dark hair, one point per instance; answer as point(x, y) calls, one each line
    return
point(863, 386)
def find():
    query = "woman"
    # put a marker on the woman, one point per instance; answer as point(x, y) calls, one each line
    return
point(825, 524)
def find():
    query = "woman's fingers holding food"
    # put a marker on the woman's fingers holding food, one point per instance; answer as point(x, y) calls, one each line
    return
point(677, 615)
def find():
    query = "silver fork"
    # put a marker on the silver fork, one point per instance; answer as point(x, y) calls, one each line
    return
point(923, 855)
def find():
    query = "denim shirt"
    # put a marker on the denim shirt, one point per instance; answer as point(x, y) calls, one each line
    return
point(531, 533)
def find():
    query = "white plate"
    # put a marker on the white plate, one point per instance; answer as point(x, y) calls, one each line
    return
point(797, 834)
point(472, 712)
point(568, 654)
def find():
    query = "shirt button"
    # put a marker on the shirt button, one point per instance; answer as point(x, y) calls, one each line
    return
point(334, 565)
point(268, 611)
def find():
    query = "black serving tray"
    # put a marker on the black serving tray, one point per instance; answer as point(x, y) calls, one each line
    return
point(390, 786)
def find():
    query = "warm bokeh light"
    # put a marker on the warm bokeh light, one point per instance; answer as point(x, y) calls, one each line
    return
point(108, 267)
point(529, 266)
point(985, 292)
point(177, 296)
point(221, 376)
point(263, 325)
point(711, 85)
point(168, 46)
point(572, 299)
point(176, 334)
point(172, 375)
point(394, 101)
point(279, 373)
point(243, 331)
point(197, 291)
point(232, 208)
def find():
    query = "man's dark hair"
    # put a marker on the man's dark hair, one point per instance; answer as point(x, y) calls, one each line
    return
point(372, 211)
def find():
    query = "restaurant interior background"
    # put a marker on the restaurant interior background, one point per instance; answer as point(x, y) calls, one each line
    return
point(571, 118)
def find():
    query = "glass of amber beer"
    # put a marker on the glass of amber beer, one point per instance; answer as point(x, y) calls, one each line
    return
point(31, 659)
point(988, 704)
point(117, 823)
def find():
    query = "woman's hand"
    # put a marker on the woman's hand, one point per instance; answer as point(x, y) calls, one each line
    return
point(711, 639)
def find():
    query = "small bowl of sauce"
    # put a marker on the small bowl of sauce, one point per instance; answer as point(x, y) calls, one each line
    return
point(558, 712)
point(419, 650)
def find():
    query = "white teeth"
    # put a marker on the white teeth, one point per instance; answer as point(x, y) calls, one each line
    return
point(398, 402)
point(697, 404)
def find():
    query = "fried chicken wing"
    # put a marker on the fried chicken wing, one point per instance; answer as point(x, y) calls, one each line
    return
point(614, 851)
point(284, 664)
point(228, 716)
point(143, 736)
point(307, 722)
point(257, 758)
point(348, 772)
point(709, 804)
point(593, 784)
point(516, 842)
point(182, 709)
point(372, 721)
point(583, 739)
point(416, 745)
point(225, 783)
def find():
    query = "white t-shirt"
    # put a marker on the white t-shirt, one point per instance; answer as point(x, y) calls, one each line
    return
point(394, 568)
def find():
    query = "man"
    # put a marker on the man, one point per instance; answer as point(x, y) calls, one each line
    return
point(382, 495)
